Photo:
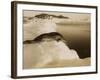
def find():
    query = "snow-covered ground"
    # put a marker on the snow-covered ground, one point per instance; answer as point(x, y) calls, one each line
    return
point(41, 54)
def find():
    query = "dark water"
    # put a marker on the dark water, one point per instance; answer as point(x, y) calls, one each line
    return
point(77, 37)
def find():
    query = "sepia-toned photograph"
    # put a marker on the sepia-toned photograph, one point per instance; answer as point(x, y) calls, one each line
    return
point(52, 39)
point(56, 39)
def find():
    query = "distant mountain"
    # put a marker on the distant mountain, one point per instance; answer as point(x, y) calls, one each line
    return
point(60, 19)
point(44, 16)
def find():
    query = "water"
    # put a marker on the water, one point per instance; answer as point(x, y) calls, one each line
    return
point(77, 37)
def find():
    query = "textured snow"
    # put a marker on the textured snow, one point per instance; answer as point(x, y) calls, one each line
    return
point(42, 53)
point(37, 27)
